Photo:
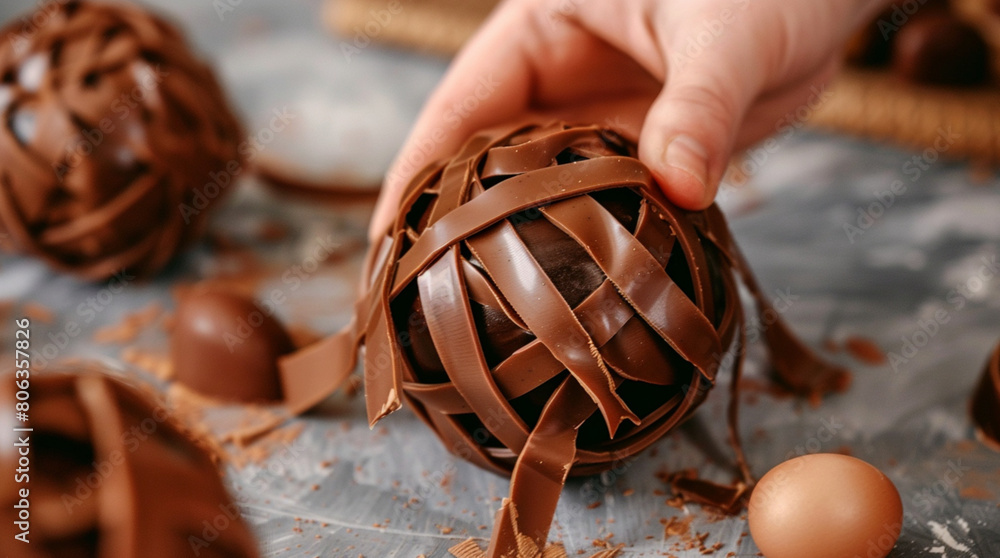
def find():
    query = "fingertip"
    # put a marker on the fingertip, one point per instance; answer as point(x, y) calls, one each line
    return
point(684, 189)
point(681, 168)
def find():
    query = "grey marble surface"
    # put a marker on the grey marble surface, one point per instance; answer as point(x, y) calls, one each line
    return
point(917, 275)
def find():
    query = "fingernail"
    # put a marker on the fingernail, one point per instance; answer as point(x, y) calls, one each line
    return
point(685, 154)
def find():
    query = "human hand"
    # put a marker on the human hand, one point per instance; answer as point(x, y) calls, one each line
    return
point(691, 80)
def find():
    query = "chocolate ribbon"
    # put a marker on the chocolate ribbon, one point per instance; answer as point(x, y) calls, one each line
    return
point(541, 305)
point(112, 475)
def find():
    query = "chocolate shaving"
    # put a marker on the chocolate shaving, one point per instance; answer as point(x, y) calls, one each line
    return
point(541, 305)
point(985, 404)
point(113, 475)
point(115, 140)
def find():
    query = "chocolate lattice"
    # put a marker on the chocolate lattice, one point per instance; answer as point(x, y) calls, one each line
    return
point(111, 475)
point(548, 312)
point(115, 139)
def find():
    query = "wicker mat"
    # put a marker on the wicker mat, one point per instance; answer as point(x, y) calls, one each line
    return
point(878, 105)
point(436, 26)
point(871, 104)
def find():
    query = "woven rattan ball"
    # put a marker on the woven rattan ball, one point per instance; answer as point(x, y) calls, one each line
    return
point(116, 139)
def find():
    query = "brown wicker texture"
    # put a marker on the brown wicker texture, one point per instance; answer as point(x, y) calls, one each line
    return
point(870, 104)
point(112, 476)
point(436, 26)
point(116, 139)
point(548, 313)
point(954, 123)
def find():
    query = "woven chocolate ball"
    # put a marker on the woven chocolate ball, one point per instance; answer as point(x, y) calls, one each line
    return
point(941, 49)
point(544, 308)
point(116, 139)
point(110, 474)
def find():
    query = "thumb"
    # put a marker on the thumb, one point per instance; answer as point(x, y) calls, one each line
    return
point(691, 128)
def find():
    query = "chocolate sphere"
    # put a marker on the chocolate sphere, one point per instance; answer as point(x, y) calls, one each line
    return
point(116, 142)
point(111, 476)
point(871, 44)
point(941, 49)
point(985, 404)
point(226, 346)
point(543, 307)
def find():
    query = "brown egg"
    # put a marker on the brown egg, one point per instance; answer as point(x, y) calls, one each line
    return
point(225, 346)
point(825, 506)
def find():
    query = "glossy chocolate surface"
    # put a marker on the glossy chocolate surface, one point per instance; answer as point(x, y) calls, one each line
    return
point(112, 476)
point(116, 140)
point(985, 404)
point(226, 346)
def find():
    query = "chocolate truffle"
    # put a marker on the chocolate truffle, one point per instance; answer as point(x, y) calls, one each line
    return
point(541, 305)
point(226, 346)
point(941, 49)
point(985, 405)
point(111, 475)
point(116, 139)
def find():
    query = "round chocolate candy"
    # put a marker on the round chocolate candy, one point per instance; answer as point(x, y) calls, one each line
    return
point(226, 346)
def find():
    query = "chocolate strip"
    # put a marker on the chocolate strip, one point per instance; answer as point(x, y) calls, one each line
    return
point(115, 140)
point(985, 404)
point(535, 291)
point(113, 476)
